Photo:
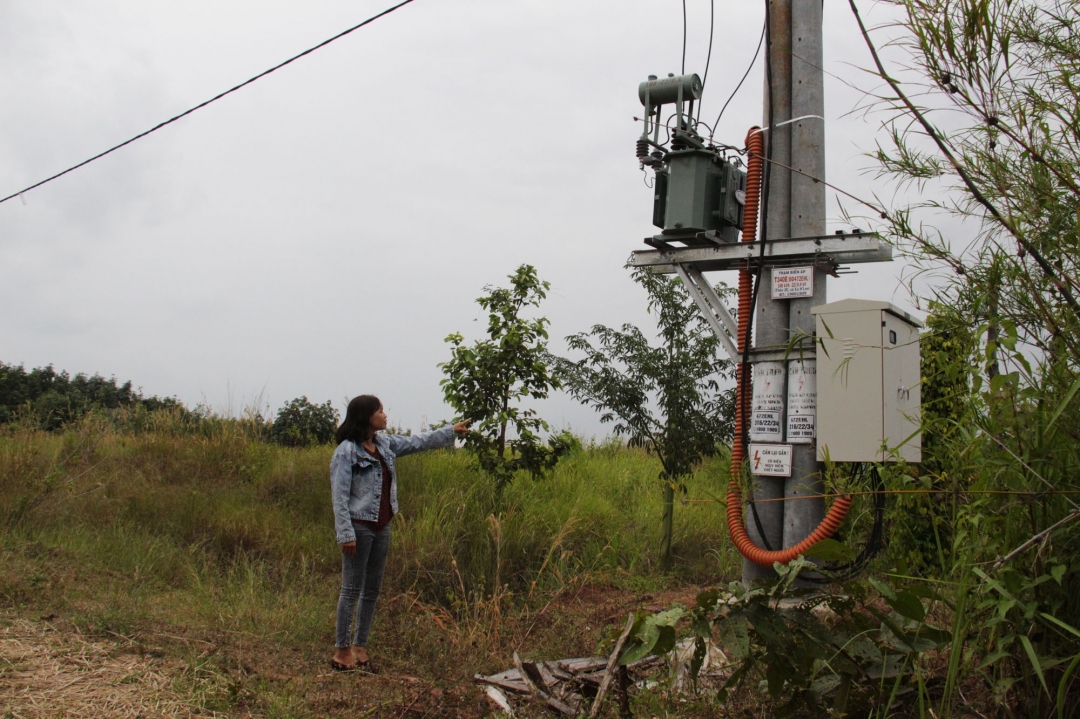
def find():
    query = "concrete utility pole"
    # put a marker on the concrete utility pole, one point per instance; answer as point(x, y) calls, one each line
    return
point(796, 208)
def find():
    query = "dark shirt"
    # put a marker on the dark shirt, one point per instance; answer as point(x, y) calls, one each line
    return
point(386, 513)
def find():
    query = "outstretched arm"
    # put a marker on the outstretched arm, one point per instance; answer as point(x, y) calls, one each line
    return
point(401, 445)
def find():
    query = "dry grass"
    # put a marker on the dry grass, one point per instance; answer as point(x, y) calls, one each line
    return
point(63, 668)
point(45, 672)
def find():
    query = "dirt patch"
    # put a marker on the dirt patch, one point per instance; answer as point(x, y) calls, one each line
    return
point(51, 667)
point(46, 672)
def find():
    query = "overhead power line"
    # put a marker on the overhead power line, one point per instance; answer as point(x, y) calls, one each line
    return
point(708, 57)
point(683, 71)
point(215, 98)
point(745, 74)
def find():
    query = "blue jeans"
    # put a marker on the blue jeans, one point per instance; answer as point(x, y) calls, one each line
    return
point(361, 580)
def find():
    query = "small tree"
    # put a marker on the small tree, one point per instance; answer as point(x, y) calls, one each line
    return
point(488, 380)
point(302, 424)
point(668, 398)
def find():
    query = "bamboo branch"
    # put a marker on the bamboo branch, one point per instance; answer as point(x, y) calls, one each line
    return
point(1001, 561)
point(1031, 469)
point(976, 193)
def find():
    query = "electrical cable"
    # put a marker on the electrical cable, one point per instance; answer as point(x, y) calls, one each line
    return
point(886, 492)
point(735, 519)
point(766, 38)
point(876, 542)
point(837, 573)
point(201, 105)
point(683, 38)
point(668, 129)
point(697, 121)
point(743, 150)
point(708, 57)
point(755, 149)
point(764, 32)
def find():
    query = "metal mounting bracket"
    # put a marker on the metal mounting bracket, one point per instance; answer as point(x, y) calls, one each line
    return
point(711, 307)
point(828, 251)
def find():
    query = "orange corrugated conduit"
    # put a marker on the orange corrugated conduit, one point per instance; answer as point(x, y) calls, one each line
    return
point(754, 167)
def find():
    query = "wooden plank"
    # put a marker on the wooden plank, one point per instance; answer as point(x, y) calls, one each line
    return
point(500, 700)
point(582, 664)
point(558, 671)
point(516, 687)
point(551, 701)
point(549, 680)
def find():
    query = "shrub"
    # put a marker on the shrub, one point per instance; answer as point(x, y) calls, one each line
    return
point(303, 424)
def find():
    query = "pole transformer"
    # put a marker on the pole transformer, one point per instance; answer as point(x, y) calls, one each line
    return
point(857, 400)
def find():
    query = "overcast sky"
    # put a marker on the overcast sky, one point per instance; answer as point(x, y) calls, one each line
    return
point(321, 231)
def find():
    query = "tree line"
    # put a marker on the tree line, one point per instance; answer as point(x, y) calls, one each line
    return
point(49, 400)
point(53, 399)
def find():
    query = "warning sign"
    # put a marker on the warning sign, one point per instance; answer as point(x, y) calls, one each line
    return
point(770, 460)
point(766, 424)
point(801, 401)
point(791, 282)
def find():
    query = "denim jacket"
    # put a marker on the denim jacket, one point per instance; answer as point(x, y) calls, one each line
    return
point(356, 476)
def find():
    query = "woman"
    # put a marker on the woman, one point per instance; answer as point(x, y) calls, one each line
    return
point(363, 482)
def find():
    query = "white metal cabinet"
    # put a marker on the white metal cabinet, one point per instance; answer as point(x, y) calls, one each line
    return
point(868, 374)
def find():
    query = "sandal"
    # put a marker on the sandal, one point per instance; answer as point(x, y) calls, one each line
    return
point(339, 667)
point(367, 667)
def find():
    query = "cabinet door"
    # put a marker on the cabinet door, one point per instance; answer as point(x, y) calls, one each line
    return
point(901, 375)
point(849, 386)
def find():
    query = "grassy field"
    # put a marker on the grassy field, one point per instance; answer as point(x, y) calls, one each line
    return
point(205, 547)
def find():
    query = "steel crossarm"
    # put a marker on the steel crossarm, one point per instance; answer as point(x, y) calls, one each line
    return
point(830, 251)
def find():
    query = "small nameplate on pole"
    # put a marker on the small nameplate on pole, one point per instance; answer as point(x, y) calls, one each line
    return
point(792, 282)
point(770, 460)
point(766, 425)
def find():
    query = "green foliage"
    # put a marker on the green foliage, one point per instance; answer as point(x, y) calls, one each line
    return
point(1015, 542)
point(1005, 445)
point(668, 398)
point(302, 424)
point(1002, 71)
point(948, 348)
point(857, 649)
point(922, 522)
point(489, 380)
point(51, 399)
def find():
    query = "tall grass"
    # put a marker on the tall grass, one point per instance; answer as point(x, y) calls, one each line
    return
point(127, 516)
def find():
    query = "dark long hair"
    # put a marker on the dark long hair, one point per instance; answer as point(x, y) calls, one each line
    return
point(357, 424)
